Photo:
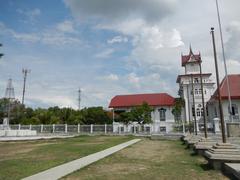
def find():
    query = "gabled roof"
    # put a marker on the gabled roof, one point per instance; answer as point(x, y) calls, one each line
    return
point(156, 99)
point(186, 58)
point(234, 84)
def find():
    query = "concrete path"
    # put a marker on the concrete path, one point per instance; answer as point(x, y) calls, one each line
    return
point(233, 168)
point(65, 169)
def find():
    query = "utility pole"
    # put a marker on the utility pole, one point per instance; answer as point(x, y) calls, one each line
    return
point(79, 99)
point(203, 103)
point(193, 108)
point(218, 89)
point(25, 73)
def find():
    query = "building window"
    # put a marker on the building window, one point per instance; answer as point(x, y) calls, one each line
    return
point(202, 112)
point(196, 91)
point(162, 129)
point(162, 113)
point(234, 109)
point(198, 112)
point(193, 111)
point(195, 80)
point(200, 91)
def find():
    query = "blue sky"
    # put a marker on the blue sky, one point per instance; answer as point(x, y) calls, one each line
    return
point(107, 47)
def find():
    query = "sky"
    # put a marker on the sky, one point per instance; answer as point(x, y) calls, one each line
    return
point(109, 47)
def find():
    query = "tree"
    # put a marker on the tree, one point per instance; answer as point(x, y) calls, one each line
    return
point(140, 114)
point(177, 109)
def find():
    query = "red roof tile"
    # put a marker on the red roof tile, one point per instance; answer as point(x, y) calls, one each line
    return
point(157, 99)
point(186, 58)
point(234, 84)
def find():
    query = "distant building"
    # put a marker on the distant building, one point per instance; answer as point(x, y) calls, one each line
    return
point(213, 108)
point(190, 86)
point(162, 103)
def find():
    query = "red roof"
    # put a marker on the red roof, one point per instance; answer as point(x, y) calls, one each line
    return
point(186, 58)
point(234, 84)
point(157, 99)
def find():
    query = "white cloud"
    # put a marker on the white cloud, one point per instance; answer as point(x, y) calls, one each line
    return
point(117, 39)
point(105, 54)
point(66, 26)
point(112, 77)
point(30, 15)
point(53, 36)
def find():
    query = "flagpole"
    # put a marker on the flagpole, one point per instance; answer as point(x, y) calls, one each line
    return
point(225, 65)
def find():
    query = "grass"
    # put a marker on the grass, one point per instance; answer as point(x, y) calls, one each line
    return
point(22, 159)
point(149, 160)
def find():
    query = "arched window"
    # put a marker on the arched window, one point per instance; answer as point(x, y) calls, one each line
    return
point(198, 112)
point(162, 114)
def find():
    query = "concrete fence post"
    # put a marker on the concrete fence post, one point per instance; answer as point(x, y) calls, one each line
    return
point(41, 130)
point(119, 129)
point(19, 126)
point(134, 129)
point(53, 128)
point(91, 129)
point(105, 128)
point(66, 130)
point(30, 127)
point(78, 128)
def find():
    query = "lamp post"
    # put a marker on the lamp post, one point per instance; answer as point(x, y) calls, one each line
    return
point(193, 107)
point(203, 103)
point(218, 89)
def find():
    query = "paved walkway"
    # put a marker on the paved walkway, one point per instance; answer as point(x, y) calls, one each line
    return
point(65, 169)
point(233, 168)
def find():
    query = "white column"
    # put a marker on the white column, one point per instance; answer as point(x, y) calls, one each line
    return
point(66, 130)
point(30, 127)
point(78, 128)
point(19, 126)
point(41, 129)
point(105, 128)
point(91, 129)
point(183, 124)
point(53, 128)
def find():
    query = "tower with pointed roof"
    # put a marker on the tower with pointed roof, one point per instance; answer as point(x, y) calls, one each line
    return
point(190, 87)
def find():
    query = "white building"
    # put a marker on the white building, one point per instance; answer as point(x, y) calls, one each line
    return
point(190, 87)
point(162, 103)
point(213, 107)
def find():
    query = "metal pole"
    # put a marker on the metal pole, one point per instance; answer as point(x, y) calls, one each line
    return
point(188, 110)
point(195, 120)
point(218, 89)
point(225, 65)
point(203, 103)
point(25, 72)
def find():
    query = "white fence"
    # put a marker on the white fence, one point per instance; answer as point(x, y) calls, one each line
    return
point(85, 129)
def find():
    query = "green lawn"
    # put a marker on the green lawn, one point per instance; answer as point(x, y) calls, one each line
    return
point(21, 159)
point(151, 160)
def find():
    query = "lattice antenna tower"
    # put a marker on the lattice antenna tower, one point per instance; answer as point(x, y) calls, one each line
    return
point(79, 98)
point(25, 73)
point(9, 93)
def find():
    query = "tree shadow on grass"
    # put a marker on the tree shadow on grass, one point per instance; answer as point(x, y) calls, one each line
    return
point(206, 167)
point(194, 153)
